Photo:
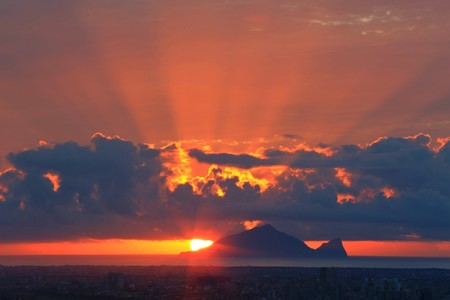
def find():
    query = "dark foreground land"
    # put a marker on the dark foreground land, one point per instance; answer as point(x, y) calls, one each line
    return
point(166, 282)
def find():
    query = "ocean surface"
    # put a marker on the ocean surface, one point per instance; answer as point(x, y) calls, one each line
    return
point(175, 260)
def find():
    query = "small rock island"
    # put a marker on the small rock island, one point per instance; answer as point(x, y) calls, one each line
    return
point(266, 241)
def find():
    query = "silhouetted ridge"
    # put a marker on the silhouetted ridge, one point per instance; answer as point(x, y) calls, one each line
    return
point(262, 241)
point(266, 227)
point(266, 241)
point(333, 248)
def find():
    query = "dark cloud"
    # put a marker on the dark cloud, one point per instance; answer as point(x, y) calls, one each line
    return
point(244, 161)
point(416, 175)
point(98, 185)
point(393, 188)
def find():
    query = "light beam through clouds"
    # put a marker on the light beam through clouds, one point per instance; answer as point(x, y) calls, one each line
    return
point(236, 70)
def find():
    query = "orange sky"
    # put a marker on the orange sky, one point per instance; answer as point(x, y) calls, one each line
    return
point(233, 70)
point(141, 247)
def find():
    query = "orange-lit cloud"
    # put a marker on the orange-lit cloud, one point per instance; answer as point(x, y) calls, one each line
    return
point(344, 176)
point(343, 198)
point(442, 142)
point(250, 224)
point(182, 169)
point(389, 192)
point(54, 180)
point(178, 162)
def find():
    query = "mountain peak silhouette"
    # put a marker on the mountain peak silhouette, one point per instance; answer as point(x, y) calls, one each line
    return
point(332, 248)
point(265, 227)
point(267, 241)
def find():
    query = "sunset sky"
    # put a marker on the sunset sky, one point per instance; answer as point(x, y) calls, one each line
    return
point(136, 126)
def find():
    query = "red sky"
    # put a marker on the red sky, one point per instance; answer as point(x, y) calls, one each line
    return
point(228, 77)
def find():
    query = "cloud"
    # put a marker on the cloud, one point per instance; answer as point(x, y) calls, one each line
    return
point(393, 188)
point(103, 183)
point(398, 184)
point(244, 161)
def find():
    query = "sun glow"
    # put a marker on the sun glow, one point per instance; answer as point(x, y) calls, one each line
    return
point(197, 244)
point(97, 247)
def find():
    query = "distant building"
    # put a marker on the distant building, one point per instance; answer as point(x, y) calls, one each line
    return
point(327, 276)
point(116, 280)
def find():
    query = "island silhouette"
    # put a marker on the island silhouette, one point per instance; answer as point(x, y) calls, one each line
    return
point(266, 241)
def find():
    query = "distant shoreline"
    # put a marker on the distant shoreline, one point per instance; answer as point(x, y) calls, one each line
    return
point(175, 260)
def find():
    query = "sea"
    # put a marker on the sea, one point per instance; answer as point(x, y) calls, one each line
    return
point(176, 260)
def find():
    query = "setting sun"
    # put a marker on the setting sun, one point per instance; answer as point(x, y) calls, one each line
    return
point(197, 244)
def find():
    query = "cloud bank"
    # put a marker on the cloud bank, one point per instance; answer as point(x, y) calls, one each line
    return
point(395, 188)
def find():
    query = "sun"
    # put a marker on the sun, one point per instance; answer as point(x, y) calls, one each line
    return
point(197, 244)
